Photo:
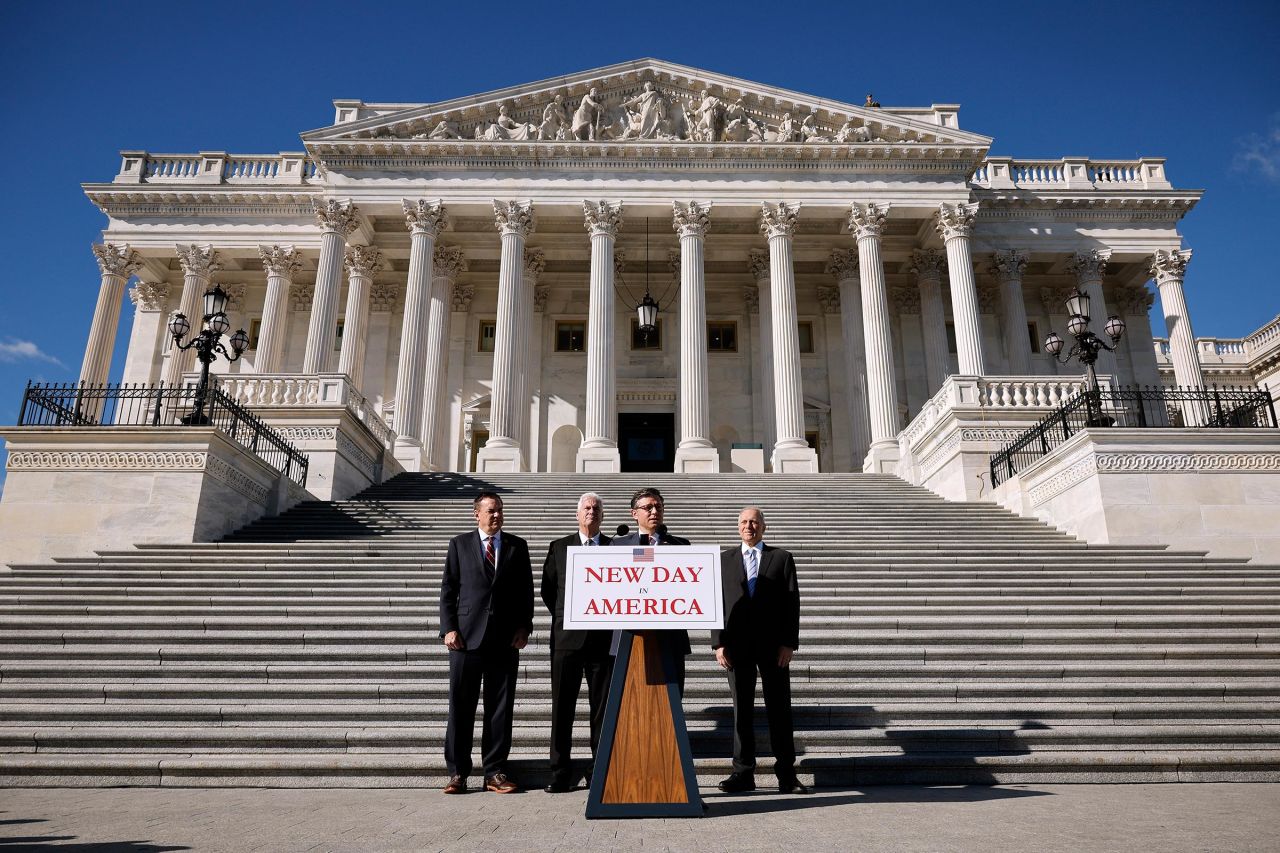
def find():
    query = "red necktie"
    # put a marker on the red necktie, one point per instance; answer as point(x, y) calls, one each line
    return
point(488, 552)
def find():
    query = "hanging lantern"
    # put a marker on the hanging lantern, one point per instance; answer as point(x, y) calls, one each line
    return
point(648, 313)
point(1078, 304)
point(215, 301)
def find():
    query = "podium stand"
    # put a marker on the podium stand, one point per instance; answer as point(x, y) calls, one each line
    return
point(644, 766)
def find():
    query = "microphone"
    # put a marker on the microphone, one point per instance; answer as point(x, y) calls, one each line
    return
point(623, 530)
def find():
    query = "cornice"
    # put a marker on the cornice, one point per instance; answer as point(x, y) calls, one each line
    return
point(1120, 205)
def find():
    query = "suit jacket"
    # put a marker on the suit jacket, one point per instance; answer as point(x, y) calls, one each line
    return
point(682, 641)
point(770, 618)
point(553, 586)
point(474, 597)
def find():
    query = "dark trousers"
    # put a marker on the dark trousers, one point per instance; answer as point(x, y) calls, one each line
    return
point(776, 685)
point(568, 668)
point(496, 665)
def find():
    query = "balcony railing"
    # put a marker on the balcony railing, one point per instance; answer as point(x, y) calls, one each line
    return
point(79, 405)
point(1223, 408)
point(1071, 173)
point(216, 167)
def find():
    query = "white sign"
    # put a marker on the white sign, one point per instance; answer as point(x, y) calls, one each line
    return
point(635, 587)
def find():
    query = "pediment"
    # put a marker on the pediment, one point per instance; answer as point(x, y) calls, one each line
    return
point(648, 101)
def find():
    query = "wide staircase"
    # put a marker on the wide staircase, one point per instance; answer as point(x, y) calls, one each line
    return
point(941, 643)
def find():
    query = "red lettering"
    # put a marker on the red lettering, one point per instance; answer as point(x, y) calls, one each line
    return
point(594, 574)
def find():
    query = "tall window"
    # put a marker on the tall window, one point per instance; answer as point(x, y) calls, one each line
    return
point(722, 336)
point(806, 337)
point(951, 339)
point(1034, 334)
point(571, 336)
point(485, 336)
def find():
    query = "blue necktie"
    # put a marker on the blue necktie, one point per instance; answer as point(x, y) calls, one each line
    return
point(753, 572)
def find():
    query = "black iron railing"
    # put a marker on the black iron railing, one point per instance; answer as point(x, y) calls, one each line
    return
point(77, 404)
point(1135, 407)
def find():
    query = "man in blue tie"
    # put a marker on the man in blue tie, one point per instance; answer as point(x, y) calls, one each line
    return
point(761, 632)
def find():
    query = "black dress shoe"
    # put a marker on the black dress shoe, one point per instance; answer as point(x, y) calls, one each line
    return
point(738, 783)
point(559, 784)
point(792, 786)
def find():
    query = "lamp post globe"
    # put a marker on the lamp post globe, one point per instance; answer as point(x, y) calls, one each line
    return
point(1078, 325)
point(1053, 343)
point(1114, 327)
point(179, 325)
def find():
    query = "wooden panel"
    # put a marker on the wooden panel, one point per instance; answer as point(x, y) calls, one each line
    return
point(645, 765)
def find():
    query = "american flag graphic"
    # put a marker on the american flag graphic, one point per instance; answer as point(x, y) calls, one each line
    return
point(642, 555)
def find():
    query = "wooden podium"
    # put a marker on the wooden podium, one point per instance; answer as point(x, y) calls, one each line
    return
point(644, 767)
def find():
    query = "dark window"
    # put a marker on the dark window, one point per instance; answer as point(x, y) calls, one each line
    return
point(337, 338)
point(642, 342)
point(722, 337)
point(255, 331)
point(951, 338)
point(1034, 334)
point(571, 337)
point(484, 339)
point(806, 337)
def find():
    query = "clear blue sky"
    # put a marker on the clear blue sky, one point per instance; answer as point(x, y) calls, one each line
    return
point(1197, 83)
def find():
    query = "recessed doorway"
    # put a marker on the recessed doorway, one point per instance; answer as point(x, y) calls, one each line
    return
point(647, 441)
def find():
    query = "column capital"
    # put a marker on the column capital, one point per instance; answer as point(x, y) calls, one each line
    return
point(758, 264)
point(691, 219)
point(988, 298)
point(751, 299)
point(300, 296)
point(842, 264)
point(779, 220)
point(928, 263)
point(1054, 297)
point(867, 220)
point(448, 262)
point(363, 260)
point(955, 220)
point(280, 260)
point(535, 261)
point(1008, 265)
point(1133, 301)
point(829, 298)
point(336, 216)
point(383, 298)
point(116, 259)
point(1089, 266)
point(541, 293)
point(198, 260)
point(1169, 266)
point(513, 217)
point(602, 217)
point(905, 299)
point(425, 217)
point(149, 295)
point(460, 298)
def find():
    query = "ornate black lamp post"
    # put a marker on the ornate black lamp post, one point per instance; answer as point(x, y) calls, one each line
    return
point(1087, 346)
point(208, 343)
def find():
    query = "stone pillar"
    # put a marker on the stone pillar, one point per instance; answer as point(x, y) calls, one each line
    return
point(535, 261)
point(280, 262)
point(1007, 266)
point(1169, 269)
point(843, 266)
point(199, 263)
point(791, 453)
point(955, 224)
point(361, 263)
point(336, 221)
point(866, 223)
point(538, 336)
point(502, 452)
point(116, 263)
point(150, 299)
point(1134, 304)
point(758, 265)
point(695, 453)
point(927, 264)
point(425, 220)
point(449, 262)
point(458, 447)
point(599, 450)
point(1089, 268)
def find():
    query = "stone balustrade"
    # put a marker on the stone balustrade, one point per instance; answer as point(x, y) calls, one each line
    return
point(1261, 344)
point(1071, 173)
point(215, 167)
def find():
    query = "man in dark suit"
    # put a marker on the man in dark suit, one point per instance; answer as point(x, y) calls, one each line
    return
point(574, 654)
point(486, 616)
point(761, 632)
point(647, 509)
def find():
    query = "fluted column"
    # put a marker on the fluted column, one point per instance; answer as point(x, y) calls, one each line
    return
point(280, 263)
point(535, 261)
point(866, 223)
point(425, 220)
point(927, 264)
point(116, 263)
point(503, 452)
point(449, 262)
point(150, 301)
point(1169, 269)
point(1089, 268)
point(955, 225)
point(199, 263)
point(361, 263)
point(1007, 266)
point(843, 266)
point(599, 450)
point(758, 266)
point(695, 453)
point(336, 221)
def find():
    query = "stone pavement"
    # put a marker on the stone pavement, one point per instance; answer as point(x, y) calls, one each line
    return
point(1015, 818)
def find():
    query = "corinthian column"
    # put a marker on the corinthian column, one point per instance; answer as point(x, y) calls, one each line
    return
point(791, 453)
point(1007, 266)
point(361, 263)
point(955, 224)
point(1089, 268)
point(843, 266)
point(866, 223)
point(116, 263)
point(449, 263)
point(535, 262)
point(695, 453)
point(502, 452)
point(927, 264)
point(280, 262)
point(758, 265)
point(599, 450)
point(425, 219)
point(1169, 269)
point(199, 263)
point(336, 221)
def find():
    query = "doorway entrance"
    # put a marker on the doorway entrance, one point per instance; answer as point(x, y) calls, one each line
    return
point(647, 441)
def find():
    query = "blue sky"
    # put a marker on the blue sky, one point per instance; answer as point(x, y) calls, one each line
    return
point(1194, 82)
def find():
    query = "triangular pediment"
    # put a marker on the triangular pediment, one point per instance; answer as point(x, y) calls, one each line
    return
point(648, 101)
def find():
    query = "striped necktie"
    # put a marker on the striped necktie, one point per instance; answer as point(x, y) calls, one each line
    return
point(489, 552)
point(753, 571)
